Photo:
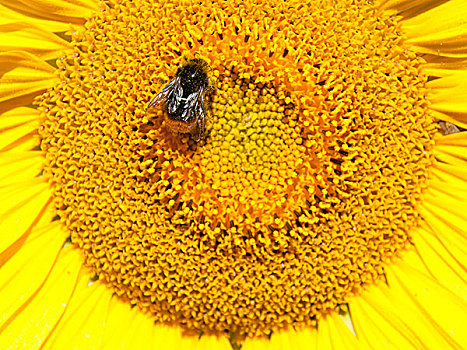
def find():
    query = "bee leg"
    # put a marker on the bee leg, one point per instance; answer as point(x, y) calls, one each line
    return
point(196, 134)
point(152, 102)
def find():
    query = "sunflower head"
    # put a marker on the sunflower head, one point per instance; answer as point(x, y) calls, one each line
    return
point(306, 181)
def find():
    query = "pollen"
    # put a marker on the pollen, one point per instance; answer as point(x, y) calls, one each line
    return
point(306, 183)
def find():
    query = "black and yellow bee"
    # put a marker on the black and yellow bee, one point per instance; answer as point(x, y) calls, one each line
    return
point(184, 98)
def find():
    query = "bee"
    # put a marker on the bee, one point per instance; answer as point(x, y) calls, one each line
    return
point(448, 128)
point(183, 99)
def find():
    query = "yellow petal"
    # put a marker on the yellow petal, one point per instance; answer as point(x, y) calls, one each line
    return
point(23, 74)
point(304, 339)
point(281, 340)
point(449, 210)
point(439, 262)
point(442, 311)
point(456, 118)
point(83, 323)
point(449, 97)
point(333, 333)
point(130, 328)
point(208, 342)
point(9, 16)
point(443, 155)
point(446, 188)
point(120, 325)
point(170, 337)
point(19, 166)
point(396, 318)
point(449, 182)
point(446, 207)
point(44, 219)
point(21, 206)
point(21, 36)
point(262, 343)
point(458, 139)
point(448, 232)
point(452, 149)
point(438, 192)
point(18, 126)
point(71, 11)
point(22, 143)
point(441, 30)
point(439, 66)
point(408, 8)
point(378, 324)
point(449, 43)
point(30, 325)
point(26, 266)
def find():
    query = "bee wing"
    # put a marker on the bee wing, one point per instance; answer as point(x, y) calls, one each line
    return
point(169, 97)
point(175, 99)
point(192, 103)
point(198, 131)
point(198, 113)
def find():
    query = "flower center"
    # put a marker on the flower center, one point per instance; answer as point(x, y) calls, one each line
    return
point(316, 150)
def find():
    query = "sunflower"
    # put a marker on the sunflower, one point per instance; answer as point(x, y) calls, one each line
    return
point(323, 206)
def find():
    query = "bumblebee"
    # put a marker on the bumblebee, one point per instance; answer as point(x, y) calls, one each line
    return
point(183, 99)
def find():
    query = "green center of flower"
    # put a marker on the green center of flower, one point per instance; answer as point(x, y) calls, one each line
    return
point(316, 150)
